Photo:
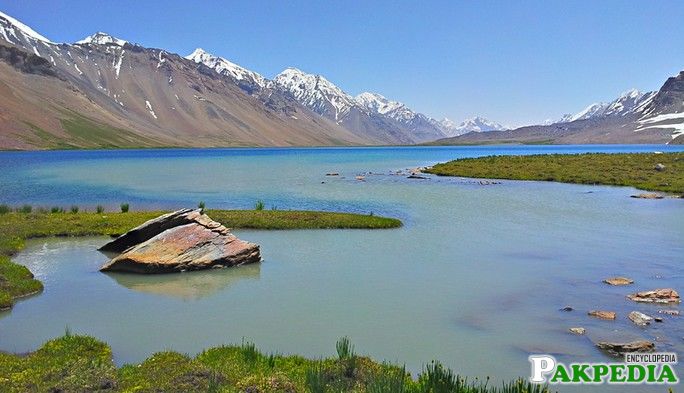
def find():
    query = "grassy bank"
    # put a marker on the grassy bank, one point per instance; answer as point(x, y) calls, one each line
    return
point(15, 227)
point(633, 169)
point(80, 363)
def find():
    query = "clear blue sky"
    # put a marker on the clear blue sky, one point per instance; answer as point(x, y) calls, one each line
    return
point(516, 62)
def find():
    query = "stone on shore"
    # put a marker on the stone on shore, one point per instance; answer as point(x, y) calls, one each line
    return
point(663, 295)
point(618, 281)
point(608, 315)
point(201, 243)
point(639, 318)
point(619, 349)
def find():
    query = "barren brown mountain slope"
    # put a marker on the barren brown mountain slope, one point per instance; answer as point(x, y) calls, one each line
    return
point(102, 94)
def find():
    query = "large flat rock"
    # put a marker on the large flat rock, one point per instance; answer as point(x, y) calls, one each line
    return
point(197, 243)
point(151, 228)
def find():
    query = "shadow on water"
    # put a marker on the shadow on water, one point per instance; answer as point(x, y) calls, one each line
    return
point(188, 285)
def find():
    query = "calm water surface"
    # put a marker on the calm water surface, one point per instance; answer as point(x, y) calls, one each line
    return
point(475, 278)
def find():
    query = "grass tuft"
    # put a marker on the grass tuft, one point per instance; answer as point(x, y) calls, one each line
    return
point(124, 207)
point(259, 205)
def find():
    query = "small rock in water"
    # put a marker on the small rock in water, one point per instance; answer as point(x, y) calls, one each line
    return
point(673, 313)
point(639, 318)
point(663, 295)
point(619, 349)
point(567, 309)
point(618, 281)
point(658, 319)
point(361, 178)
point(610, 315)
point(648, 195)
point(332, 174)
point(659, 167)
point(577, 330)
point(414, 176)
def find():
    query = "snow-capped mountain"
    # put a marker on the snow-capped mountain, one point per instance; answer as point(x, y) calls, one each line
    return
point(664, 110)
point(628, 102)
point(128, 95)
point(423, 128)
point(368, 113)
point(379, 104)
point(16, 32)
point(101, 38)
point(475, 124)
point(226, 67)
point(317, 93)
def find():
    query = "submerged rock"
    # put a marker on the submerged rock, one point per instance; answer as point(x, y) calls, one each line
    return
point(663, 295)
point(639, 318)
point(197, 243)
point(672, 313)
point(577, 330)
point(648, 195)
point(603, 314)
point(619, 349)
point(618, 281)
point(415, 176)
point(566, 309)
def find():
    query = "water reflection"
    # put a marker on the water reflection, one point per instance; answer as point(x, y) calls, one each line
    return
point(188, 285)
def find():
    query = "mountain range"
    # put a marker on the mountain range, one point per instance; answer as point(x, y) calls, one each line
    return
point(105, 92)
point(633, 117)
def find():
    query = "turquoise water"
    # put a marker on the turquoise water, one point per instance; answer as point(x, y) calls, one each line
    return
point(475, 278)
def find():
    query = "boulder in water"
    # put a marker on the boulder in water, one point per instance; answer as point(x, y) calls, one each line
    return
point(619, 349)
point(618, 281)
point(196, 242)
point(663, 295)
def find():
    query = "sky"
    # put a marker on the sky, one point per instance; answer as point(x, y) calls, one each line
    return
point(515, 62)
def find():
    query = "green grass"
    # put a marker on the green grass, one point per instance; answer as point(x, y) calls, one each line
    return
point(16, 227)
point(80, 363)
point(632, 169)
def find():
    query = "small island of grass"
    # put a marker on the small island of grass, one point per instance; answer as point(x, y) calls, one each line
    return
point(17, 225)
point(648, 171)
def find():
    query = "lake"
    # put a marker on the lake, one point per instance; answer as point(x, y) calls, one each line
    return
point(475, 278)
